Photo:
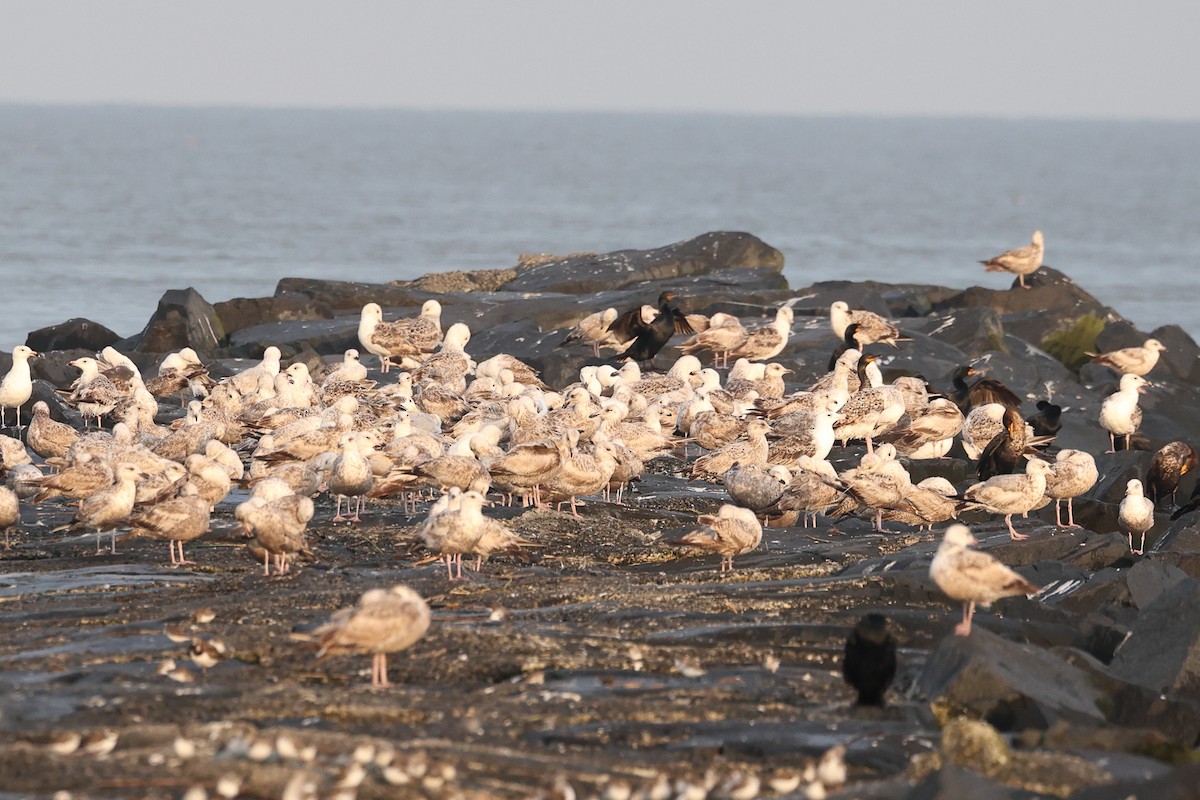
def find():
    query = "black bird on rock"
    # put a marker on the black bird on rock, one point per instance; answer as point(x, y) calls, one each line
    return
point(849, 342)
point(984, 390)
point(1171, 463)
point(870, 661)
point(649, 338)
point(1048, 419)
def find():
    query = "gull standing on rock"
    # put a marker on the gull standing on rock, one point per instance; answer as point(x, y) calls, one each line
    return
point(724, 333)
point(594, 330)
point(1012, 494)
point(415, 337)
point(1020, 262)
point(1136, 514)
point(766, 342)
point(17, 386)
point(732, 532)
point(383, 621)
point(1072, 473)
point(109, 508)
point(1120, 414)
point(1132, 360)
point(872, 328)
point(180, 520)
point(971, 576)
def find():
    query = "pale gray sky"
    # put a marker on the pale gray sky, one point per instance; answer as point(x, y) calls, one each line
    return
point(1045, 58)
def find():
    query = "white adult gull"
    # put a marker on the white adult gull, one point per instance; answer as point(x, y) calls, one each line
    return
point(1120, 414)
point(17, 386)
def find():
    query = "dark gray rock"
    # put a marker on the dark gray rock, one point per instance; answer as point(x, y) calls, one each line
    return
point(598, 272)
point(351, 295)
point(74, 334)
point(1128, 705)
point(246, 312)
point(1180, 784)
point(183, 319)
point(1182, 357)
point(973, 331)
point(953, 782)
point(1162, 652)
point(1011, 686)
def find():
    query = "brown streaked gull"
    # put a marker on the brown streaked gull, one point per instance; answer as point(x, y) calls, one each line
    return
point(732, 532)
point(1072, 473)
point(383, 621)
point(1021, 261)
point(1132, 360)
point(972, 577)
point(1011, 494)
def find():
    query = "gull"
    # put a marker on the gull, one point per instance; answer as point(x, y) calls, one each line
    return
point(749, 451)
point(351, 369)
point(10, 512)
point(414, 337)
point(455, 530)
point(724, 334)
point(351, 474)
point(108, 508)
point(47, 437)
point(813, 489)
point(1131, 360)
point(1119, 413)
point(872, 328)
point(594, 329)
point(182, 519)
point(1072, 473)
point(1011, 494)
point(873, 410)
point(931, 433)
point(733, 531)
point(17, 386)
point(1020, 262)
point(768, 341)
point(754, 487)
point(383, 621)
point(277, 527)
point(1136, 514)
point(971, 576)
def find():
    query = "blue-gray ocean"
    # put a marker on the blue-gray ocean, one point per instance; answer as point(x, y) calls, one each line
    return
point(104, 208)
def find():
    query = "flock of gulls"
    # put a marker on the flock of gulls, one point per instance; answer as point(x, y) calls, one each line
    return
point(448, 437)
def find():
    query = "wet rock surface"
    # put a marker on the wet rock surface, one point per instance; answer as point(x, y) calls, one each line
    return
point(604, 658)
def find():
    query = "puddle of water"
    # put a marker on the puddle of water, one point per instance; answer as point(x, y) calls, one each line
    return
point(19, 584)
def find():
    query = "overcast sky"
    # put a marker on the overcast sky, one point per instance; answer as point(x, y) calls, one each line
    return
point(1046, 58)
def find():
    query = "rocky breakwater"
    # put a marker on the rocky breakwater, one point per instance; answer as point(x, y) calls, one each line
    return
point(605, 658)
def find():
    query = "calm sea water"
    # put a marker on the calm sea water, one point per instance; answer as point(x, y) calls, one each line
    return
point(104, 208)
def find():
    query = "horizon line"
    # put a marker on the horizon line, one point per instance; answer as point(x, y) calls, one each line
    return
point(238, 106)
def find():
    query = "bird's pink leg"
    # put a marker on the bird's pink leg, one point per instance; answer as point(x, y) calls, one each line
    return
point(449, 571)
point(357, 508)
point(266, 563)
point(183, 560)
point(964, 627)
point(1012, 532)
point(1071, 513)
point(1058, 513)
point(337, 510)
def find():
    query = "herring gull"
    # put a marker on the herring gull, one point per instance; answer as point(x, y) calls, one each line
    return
point(971, 576)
